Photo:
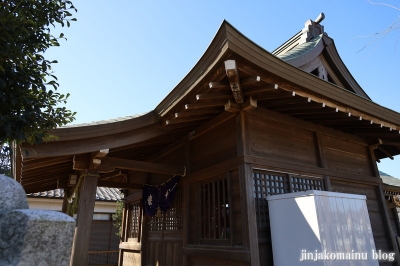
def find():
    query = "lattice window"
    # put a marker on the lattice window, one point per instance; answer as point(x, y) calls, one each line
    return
point(156, 223)
point(174, 216)
point(267, 184)
point(172, 219)
point(273, 183)
point(134, 218)
point(303, 184)
point(214, 201)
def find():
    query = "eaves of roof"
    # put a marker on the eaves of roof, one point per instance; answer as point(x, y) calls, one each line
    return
point(229, 42)
point(143, 136)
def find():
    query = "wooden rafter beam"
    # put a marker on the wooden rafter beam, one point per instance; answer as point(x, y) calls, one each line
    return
point(91, 161)
point(311, 106)
point(198, 112)
point(234, 81)
point(344, 109)
point(81, 162)
point(232, 107)
point(285, 101)
point(249, 104)
point(297, 110)
point(217, 85)
point(111, 175)
point(375, 143)
point(274, 95)
point(213, 96)
point(196, 106)
point(391, 143)
point(260, 90)
point(385, 152)
point(96, 158)
point(250, 80)
point(143, 166)
point(105, 168)
point(45, 162)
point(186, 119)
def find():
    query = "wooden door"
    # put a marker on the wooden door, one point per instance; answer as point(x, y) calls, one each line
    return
point(164, 239)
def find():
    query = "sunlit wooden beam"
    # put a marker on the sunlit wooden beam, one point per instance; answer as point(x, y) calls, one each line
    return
point(234, 81)
point(143, 166)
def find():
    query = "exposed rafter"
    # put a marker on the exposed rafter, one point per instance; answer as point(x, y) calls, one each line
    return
point(234, 81)
point(143, 166)
point(95, 158)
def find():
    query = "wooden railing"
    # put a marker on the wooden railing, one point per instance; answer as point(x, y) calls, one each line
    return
point(109, 258)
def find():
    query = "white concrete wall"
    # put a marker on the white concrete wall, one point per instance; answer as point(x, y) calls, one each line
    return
point(100, 207)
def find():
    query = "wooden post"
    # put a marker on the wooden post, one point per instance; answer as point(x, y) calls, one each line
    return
point(250, 234)
point(65, 201)
point(87, 197)
point(249, 213)
point(145, 234)
point(384, 209)
point(322, 158)
point(388, 225)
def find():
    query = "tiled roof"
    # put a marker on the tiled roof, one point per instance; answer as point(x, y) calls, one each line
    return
point(109, 121)
point(102, 194)
point(390, 180)
point(300, 49)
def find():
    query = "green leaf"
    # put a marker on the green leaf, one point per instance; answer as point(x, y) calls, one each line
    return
point(28, 106)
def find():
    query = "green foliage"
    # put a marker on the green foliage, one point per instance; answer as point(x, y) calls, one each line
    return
point(29, 103)
point(117, 217)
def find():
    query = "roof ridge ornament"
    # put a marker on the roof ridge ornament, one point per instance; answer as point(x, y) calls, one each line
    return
point(320, 18)
point(312, 29)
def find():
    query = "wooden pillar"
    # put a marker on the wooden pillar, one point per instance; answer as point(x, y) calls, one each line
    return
point(84, 219)
point(186, 199)
point(322, 158)
point(388, 225)
point(249, 213)
point(385, 214)
point(250, 233)
point(65, 201)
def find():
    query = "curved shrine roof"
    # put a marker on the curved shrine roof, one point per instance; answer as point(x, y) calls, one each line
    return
point(205, 96)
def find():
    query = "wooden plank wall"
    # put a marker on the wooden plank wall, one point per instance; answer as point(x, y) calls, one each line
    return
point(214, 146)
point(207, 155)
point(175, 156)
point(346, 156)
point(282, 143)
point(266, 140)
point(212, 156)
point(164, 249)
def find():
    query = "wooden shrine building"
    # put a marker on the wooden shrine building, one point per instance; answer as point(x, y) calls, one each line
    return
point(243, 124)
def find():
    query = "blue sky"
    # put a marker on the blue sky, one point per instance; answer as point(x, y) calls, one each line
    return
point(123, 57)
